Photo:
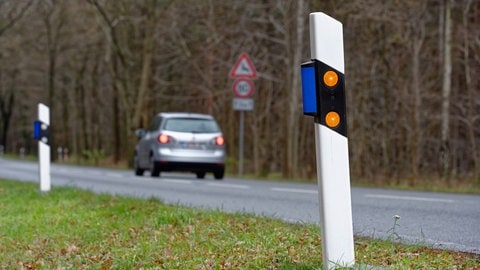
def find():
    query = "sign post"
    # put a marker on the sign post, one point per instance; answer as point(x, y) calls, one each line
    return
point(41, 132)
point(243, 71)
point(323, 91)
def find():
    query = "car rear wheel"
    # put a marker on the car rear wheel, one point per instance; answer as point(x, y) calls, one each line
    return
point(219, 174)
point(200, 175)
point(154, 168)
point(138, 171)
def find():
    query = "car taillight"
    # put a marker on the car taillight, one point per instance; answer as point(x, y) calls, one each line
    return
point(219, 140)
point(162, 138)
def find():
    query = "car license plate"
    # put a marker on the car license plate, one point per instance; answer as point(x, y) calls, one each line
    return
point(190, 145)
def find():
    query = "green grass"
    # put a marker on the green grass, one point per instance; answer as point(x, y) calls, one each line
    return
point(74, 229)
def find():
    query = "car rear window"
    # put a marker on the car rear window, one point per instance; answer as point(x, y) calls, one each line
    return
point(192, 125)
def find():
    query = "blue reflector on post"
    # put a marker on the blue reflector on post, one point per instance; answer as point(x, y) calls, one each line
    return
point(309, 93)
point(37, 130)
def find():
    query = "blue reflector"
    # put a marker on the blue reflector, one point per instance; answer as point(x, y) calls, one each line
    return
point(37, 130)
point(309, 89)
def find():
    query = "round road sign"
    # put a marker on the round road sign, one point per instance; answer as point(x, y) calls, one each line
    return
point(242, 88)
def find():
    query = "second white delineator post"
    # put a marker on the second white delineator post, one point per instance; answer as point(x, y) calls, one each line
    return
point(44, 150)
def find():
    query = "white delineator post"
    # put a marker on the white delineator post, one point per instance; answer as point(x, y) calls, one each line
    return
point(333, 170)
point(44, 149)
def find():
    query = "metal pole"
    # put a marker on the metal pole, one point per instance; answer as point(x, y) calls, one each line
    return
point(240, 143)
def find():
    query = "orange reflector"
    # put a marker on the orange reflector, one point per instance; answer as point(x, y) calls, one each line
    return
point(330, 78)
point(332, 119)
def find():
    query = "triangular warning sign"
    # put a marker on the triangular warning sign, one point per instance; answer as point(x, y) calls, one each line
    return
point(243, 68)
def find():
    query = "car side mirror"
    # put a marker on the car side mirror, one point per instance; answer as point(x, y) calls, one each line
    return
point(140, 133)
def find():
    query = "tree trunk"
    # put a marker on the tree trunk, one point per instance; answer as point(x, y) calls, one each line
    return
point(417, 44)
point(147, 56)
point(293, 89)
point(446, 88)
point(470, 91)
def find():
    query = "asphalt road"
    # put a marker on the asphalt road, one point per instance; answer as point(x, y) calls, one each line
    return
point(447, 221)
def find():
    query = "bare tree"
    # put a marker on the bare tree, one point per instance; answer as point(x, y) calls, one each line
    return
point(108, 66)
point(471, 110)
point(10, 13)
point(122, 61)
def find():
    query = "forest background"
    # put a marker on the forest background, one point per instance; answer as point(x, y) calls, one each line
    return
point(106, 67)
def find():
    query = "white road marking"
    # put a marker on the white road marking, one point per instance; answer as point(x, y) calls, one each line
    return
point(228, 185)
point(408, 198)
point(176, 181)
point(295, 190)
point(116, 175)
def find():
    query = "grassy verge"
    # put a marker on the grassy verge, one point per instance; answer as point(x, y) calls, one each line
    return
point(73, 229)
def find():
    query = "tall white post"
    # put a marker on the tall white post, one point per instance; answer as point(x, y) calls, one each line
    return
point(324, 98)
point(44, 148)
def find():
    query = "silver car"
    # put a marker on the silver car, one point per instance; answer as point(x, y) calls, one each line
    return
point(181, 142)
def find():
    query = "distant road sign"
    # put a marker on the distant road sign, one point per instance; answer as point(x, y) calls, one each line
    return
point(242, 88)
point(243, 104)
point(243, 68)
